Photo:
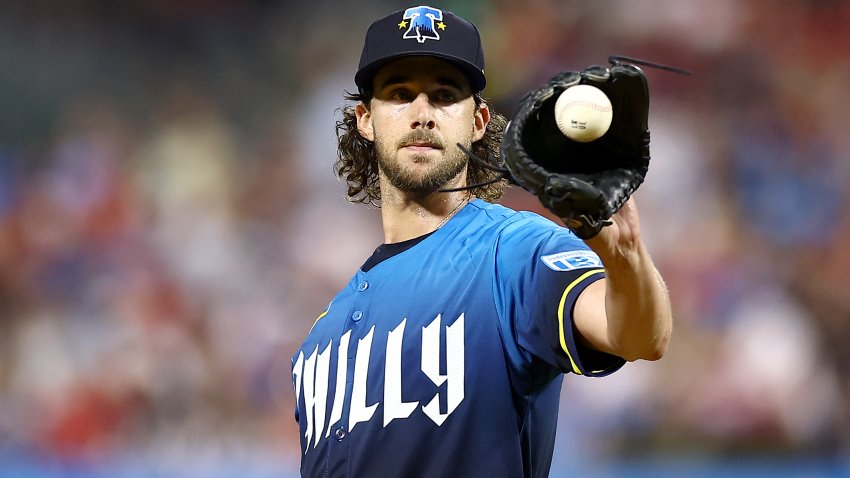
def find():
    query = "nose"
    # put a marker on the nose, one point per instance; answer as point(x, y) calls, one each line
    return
point(422, 112)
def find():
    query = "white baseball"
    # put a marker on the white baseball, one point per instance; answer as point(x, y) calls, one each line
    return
point(583, 113)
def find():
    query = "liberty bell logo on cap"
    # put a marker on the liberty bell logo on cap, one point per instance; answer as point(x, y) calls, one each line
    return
point(423, 23)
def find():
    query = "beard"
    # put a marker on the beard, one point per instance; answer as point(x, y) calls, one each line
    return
point(435, 177)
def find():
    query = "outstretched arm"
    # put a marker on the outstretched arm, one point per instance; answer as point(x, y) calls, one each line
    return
point(628, 313)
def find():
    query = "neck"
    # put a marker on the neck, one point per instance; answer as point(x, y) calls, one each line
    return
point(407, 217)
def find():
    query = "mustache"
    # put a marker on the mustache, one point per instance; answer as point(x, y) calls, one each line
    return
point(423, 137)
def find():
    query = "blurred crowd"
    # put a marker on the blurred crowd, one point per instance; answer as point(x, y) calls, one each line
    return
point(170, 223)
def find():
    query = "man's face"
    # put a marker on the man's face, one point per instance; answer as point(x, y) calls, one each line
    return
point(422, 107)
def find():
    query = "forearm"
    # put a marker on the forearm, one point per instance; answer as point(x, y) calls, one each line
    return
point(637, 305)
point(628, 314)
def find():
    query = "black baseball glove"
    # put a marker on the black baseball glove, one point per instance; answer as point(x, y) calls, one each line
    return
point(582, 183)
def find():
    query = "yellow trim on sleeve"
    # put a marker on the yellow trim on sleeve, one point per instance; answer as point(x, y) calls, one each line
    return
point(561, 314)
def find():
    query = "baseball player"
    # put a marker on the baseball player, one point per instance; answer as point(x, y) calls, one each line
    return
point(444, 354)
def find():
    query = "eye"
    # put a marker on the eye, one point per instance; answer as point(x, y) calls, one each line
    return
point(445, 96)
point(401, 95)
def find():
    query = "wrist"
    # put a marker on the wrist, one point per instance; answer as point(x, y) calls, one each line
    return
point(619, 255)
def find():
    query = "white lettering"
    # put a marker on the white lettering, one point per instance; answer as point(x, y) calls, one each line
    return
point(297, 370)
point(394, 407)
point(311, 379)
point(321, 390)
point(360, 412)
point(309, 396)
point(341, 375)
point(454, 366)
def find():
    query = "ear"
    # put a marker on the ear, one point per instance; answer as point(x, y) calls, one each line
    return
point(364, 122)
point(481, 119)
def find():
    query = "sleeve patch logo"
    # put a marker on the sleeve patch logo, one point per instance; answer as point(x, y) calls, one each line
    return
point(567, 261)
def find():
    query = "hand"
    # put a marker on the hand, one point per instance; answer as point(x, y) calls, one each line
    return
point(621, 239)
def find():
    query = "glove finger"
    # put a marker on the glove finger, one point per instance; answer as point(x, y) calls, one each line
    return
point(568, 196)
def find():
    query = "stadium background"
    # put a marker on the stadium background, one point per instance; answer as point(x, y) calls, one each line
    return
point(170, 226)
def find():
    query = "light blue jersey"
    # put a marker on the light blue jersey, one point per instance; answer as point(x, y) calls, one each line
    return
point(443, 356)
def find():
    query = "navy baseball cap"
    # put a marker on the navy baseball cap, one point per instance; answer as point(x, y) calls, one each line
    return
point(427, 31)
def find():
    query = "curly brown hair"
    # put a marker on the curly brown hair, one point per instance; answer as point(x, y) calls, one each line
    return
point(357, 163)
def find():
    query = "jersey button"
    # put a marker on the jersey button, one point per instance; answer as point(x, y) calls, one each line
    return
point(362, 286)
point(340, 434)
point(357, 315)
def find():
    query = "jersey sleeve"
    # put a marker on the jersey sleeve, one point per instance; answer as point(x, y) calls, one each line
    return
point(541, 270)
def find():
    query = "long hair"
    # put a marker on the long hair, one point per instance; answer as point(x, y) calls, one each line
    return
point(357, 163)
